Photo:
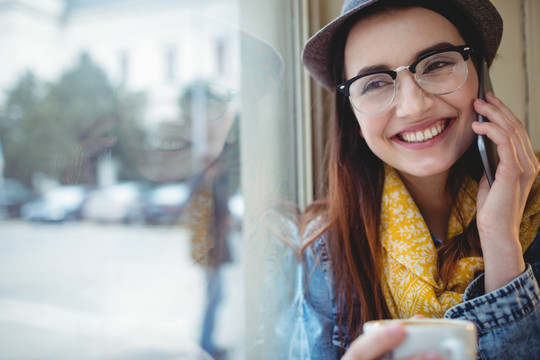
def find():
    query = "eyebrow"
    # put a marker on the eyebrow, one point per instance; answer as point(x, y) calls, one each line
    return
point(379, 67)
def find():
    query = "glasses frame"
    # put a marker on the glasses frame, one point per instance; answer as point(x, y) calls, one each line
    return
point(230, 95)
point(464, 50)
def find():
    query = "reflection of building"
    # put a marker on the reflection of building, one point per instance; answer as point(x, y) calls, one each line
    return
point(29, 31)
point(150, 46)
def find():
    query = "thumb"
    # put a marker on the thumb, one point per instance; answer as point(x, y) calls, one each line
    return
point(376, 344)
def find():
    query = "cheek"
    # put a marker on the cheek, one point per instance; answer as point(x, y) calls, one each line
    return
point(464, 98)
point(371, 126)
point(469, 91)
point(217, 133)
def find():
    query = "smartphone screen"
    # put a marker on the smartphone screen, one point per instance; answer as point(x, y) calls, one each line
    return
point(488, 150)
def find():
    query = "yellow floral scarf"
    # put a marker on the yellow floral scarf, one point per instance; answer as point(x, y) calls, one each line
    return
point(411, 283)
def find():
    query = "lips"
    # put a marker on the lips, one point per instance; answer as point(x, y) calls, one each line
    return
point(169, 136)
point(423, 135)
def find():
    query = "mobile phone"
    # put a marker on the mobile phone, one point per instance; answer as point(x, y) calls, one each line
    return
point(488, 150)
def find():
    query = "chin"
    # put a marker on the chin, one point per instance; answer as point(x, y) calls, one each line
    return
point(421, 169)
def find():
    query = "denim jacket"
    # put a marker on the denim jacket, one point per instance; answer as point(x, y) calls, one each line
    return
point(508, 319)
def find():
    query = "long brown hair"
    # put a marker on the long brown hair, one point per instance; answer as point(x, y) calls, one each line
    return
point(351, 210)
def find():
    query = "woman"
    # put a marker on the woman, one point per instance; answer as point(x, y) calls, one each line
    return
point(215, 170)
point(410, 225)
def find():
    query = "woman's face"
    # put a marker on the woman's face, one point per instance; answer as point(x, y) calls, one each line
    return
point(398, 38)
point(177, 150)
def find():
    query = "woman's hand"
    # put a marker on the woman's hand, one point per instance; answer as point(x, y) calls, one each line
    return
point(500, 208)
point(374, 345)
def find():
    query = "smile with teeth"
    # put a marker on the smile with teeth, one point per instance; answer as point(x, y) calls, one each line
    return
point(168, 145)
point(424, 135)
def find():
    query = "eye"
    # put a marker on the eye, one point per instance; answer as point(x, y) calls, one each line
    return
point(375, 85)
point(439, 62)
point(372, 84)
point(437, 66)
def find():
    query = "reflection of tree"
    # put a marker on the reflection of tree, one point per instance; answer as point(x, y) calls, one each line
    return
point(61, 129)
point(19, 114)
point(130, 134)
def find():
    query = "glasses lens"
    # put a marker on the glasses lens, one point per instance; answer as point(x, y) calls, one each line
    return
point(442, 73)
point(205, 102)
point(373, 93)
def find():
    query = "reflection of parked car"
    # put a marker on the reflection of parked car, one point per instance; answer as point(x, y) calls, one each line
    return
point(164, 204)
point(13, 195)
point(116, 203)
point(60, 204)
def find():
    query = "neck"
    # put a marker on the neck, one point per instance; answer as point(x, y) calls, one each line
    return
point(429, 194)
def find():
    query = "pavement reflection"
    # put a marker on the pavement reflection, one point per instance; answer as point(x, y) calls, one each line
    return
point(87, 291)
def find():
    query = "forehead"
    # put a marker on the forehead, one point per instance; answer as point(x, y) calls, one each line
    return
point(395, 37)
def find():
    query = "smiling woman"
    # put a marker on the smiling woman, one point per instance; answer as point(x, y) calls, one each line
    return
point(409, 225)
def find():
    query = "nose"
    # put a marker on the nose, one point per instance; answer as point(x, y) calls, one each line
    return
point(411, 100)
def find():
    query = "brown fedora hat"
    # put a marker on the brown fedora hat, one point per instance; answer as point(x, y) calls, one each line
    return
point(317, 53)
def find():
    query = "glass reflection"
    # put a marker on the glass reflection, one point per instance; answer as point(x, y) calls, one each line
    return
point(148, 178)
point(113, 114)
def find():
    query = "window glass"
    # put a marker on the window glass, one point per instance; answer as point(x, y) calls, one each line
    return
point(150, 174)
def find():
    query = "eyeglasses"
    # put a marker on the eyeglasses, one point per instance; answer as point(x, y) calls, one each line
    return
point(206, 101)
point(438, 72)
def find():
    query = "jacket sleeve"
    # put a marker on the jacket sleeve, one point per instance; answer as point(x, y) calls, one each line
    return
point(508, 319)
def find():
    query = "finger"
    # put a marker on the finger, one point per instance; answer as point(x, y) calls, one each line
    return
point(509, 122)
point(376, 344)
point(506, 134)
point(519, 127)
point(505, 110)
point(505, 144)
point(517, 157)
point(498, 118)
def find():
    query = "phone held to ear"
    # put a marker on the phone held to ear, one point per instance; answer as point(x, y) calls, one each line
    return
point(488, 150)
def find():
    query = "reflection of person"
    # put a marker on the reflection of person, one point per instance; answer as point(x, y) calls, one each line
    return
point(207, 214)
point(410, 225)
point(177, 150)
